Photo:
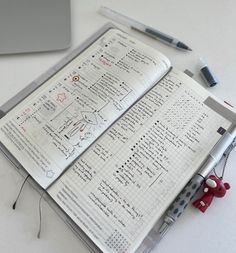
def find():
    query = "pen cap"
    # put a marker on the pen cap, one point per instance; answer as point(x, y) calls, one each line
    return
point(207, 75)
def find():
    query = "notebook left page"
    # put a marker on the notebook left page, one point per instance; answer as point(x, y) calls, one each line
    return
point(58, 121)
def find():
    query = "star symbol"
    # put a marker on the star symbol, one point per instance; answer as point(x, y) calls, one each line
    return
point(50, 174)
point(61, 97)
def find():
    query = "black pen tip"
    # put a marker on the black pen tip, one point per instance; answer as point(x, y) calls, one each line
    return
point(181, 45)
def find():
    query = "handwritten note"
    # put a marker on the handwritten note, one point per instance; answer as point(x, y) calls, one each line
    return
point(124, 182)
point(63, 117)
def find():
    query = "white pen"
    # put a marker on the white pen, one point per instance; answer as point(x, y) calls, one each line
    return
point(224, 145)
point(194, 184)
point(133, 24)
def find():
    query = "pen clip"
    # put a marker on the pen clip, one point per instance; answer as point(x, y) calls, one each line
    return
point(165, 226)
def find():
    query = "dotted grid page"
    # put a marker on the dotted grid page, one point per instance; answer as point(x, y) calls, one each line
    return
point(119, 188)
point(55, 124)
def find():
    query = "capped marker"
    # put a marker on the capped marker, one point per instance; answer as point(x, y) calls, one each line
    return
point(206, 73)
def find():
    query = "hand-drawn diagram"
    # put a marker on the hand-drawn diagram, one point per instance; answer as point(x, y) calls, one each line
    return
point(81, 124)
point(77, 127)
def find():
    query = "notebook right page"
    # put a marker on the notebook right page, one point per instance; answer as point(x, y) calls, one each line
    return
point(121, 186)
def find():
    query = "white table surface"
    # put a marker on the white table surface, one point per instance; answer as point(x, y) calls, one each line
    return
point(209, 27)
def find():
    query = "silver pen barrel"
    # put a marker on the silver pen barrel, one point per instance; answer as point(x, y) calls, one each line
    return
point(217, 152)
point(186, 195)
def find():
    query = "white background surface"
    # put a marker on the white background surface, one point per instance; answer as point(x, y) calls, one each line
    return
point(209, 27)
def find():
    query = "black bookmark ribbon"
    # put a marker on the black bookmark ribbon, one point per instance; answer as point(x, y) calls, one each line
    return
point(22, 186)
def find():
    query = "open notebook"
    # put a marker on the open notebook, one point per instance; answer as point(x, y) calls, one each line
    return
point(113, 136)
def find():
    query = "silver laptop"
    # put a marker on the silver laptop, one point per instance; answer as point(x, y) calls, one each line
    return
point(34, 25)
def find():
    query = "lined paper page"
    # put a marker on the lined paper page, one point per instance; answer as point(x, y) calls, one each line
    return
point(119, 188)
point(54, 125)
